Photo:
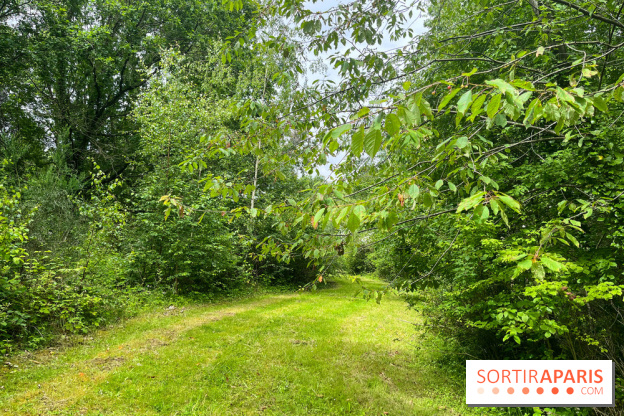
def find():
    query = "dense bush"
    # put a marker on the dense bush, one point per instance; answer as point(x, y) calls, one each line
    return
point(184, 254)
point(39, 297)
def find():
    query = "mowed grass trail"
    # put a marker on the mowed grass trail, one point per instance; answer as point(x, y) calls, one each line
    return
point(313, 353)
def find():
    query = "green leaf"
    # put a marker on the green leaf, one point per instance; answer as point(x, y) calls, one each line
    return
point(335, 133)
point(318, 215)
point(464, 102)
point(427, 200)
point(494, 206)
point(470, 202)
point(510, 202)
point(500, 120)
point(447, 98)
point(600, 104)
point(461, 142)
point(538, 271)
point(560, 124)
point(353, 223)
point(504, 216)
point(525, 85)
point(485, 213)
point(503, 86)
point(425, 108)
point(477, 104)
point(493, 105)
point(439, 184)
point(525, 264)
point(478, 211)
point(458, 119)
point(471, 73)
point(341, 216)
point(393, 124)
point(413, 191)
point(523, 98)
point(565, 96)
point(572, 239)
point(372, 142)
point(553, 265)
point(534, 110)
point(360, 211)
point(357, 142)
point(406, 116)
point(391, 219)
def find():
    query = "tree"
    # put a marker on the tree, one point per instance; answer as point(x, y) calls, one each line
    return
point(489, 147)
point(74, 68)
point(192, 143)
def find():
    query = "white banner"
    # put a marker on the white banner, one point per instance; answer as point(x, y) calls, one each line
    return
point(538, 383)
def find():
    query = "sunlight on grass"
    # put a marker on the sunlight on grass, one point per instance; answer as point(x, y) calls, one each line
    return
point(315, 353)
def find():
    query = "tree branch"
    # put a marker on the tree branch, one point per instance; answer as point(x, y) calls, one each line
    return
point(590, 14)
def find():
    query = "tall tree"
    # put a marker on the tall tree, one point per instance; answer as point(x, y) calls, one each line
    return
point(75, 67)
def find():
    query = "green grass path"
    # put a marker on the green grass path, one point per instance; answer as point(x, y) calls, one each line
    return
point(315, 353)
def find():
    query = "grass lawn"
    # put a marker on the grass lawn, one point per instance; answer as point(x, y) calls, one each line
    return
point(313, 353)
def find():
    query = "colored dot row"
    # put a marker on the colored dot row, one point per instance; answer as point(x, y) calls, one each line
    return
point(526, 390)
